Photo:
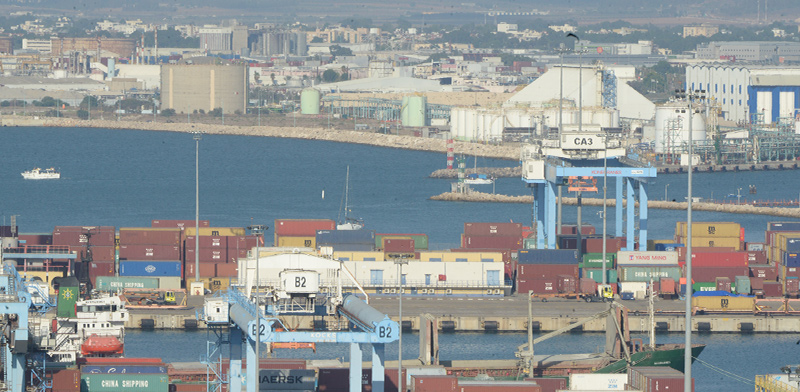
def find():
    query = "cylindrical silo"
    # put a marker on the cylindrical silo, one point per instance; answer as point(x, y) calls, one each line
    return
point(309, 101)
point(416, 110)
point(672, 127)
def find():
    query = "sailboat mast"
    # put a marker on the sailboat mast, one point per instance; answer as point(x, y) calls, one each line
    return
point(346, 193)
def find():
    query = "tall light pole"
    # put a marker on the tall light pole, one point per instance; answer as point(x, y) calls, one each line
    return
point(665, 191)
point(689, 97)
point(197, 136)
point(560, 128)
point(580, 130)
point(400, 380)
point(258, 230)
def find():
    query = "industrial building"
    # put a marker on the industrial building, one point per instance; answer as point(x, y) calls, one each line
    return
point(774, 52)
point(190, 86)
point(118, 47)
point(278, 42)
point(216, 39)
point(770, 92)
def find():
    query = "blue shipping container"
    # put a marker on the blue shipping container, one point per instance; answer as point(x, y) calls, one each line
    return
point(667, 247)
point(133, 369)
point(783, 226)
point(791, 259)
point(351, 247)
point(149, 268)
point(547, 256)
point(334, 237)
point(793, 245)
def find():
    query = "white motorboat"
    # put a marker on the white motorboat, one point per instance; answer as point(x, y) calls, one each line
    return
point(41, 174)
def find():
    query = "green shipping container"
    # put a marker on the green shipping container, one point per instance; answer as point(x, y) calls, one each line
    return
point(597, 274)
point(420, 240)
point(119, 382)
point(743, 285)
point(594, 260)
point(704, 286)
point(116, 283)
point(645, 274)
point(529, 243)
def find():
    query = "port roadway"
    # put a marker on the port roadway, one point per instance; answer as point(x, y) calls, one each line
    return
point(510, 314)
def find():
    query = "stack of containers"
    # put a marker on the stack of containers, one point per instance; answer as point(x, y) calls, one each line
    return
point(708, 267)
point(300, 233)
point(788, 260)
point(492, 235)
point(347, 240)
point(219, 251)
point(656, 379)
point(179, 223)
point(510, 263)
point(775, 272)
point(100, 241)
point(111, 374)
point(546, 271)
point(420, 240)
point(636, 269)
point(711, 234)
point(592, 267)
point(152, 253)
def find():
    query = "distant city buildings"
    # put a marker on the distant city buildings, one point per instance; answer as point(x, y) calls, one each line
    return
point(703, 30)
point(758, 51)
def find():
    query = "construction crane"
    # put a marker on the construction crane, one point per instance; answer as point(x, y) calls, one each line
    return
point(255, 316)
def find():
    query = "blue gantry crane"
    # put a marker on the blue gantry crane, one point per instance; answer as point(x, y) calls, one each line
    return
point(252, 313)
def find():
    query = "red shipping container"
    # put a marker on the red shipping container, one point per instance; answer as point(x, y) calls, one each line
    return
point(538, 286)
point(767, 272)
point(207, 241)
point(99, 253)
point(792, 286)
point(80, 238)
point(422, 383)
point(723, 284)
point(35, 239)
point(549, 384)
point(490, 386)
point(181, 387)
point(567, 284)
point(302, 227)
point(235, 254)
point(533, 271)
point(710, 274)
point(757, 257)
point(667, 286)
point(573, 229)
point(595, 245)
point(492, 242)
point(227, 270)
point(701, 249)
point(100, 268)
point(588, 286)
point(400, 245)
point(773, 290)
point(240, 242)
point(179, 223)
point(719, 259)
point(207, 270)
point(66, 380)
point(149, 252)
point(756, 283)
point(93, 229)
point(491, 229)
point(149, 236)
point(208, 255)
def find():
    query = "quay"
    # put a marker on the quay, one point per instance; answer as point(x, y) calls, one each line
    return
point(510, 314)
point(481, 197)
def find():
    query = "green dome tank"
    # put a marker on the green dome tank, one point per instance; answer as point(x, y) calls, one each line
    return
point(414, 112)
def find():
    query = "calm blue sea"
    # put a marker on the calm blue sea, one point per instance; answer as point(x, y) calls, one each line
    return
point(127, 178)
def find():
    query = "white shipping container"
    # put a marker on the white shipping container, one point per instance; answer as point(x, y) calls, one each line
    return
point(647, 258)
point(169, 282)
point(597, 382)
point(632, 287)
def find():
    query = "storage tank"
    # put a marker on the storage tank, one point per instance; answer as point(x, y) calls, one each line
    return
point(309, 101)
point(415, 112)
point(403, 111)
point(672, 129)
point(111, 68)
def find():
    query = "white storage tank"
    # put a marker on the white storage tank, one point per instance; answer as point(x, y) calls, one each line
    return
point(309, 101)
point(672, 127)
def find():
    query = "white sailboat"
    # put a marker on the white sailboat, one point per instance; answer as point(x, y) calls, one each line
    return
point(347, 223)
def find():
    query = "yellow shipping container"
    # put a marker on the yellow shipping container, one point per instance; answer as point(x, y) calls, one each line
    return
point(782, 239)
point(710, 229)
point(213, 284)
point(297, 242)
point(216, 231)
point(725, 304)
point(714, 242)
point(359, 256)
point(651, 244)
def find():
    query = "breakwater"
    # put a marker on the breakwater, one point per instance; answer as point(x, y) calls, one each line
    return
point(481, 197)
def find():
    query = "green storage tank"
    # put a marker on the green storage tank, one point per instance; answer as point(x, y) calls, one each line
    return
point(414, 113)
point(124, 382)
point(310, 101)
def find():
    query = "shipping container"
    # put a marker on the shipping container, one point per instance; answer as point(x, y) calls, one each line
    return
point(723, 284)
point(492, 242)
point(169, 282)
point(588, 286)
point(656, 379)
point(755, 246)
point(423, 383)
point(742, 285)
point(399, 245)
point(666, 247)
point(124, 382)
point(35, 239)
point(567, 284)
point(547, 256)
point(66, 380)
point(300, 227)
point(98, 253)
point(646, 273)
point(296, 242)
point(498, 386)
point(597, 382)
point(206, 269)
point(595, 245)
point(709, 229)
point(420, 240)
point(757, 257)
point(117, 283)
point(208, 255)
point(783, 226)
point(724, 303)
point(537, 285)
point(667, 287)
point(149, 236)
point(338, 237)
point(773, 289)
point(217, 231)
point(596, 274)
point(212, 284)
point(595, 260)
point(150, 252)
point(179, 223)
point(124, 369)
point(710, 274)
point(647, 258)
point(791, 287)
point(704, 286)
point(720, 259)
point(150, 268)
point(586, 229)
point(734, 243)
point(502, 229)
point(98, 269)
point(82, 238)
point(208, 241)
point(537, 271)
point(550, 384)
point(227, 270)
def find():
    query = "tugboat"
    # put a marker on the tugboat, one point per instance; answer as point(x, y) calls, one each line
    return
point(41, 174)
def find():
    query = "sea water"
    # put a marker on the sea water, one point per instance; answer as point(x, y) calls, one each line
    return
point(128, 178)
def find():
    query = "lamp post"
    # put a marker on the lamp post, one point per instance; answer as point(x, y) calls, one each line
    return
point(665, 191)
point(400, 380)
point(197, 136)
point(560, 128)
point(580, 130)
point(689, 97)
point(257, 230)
